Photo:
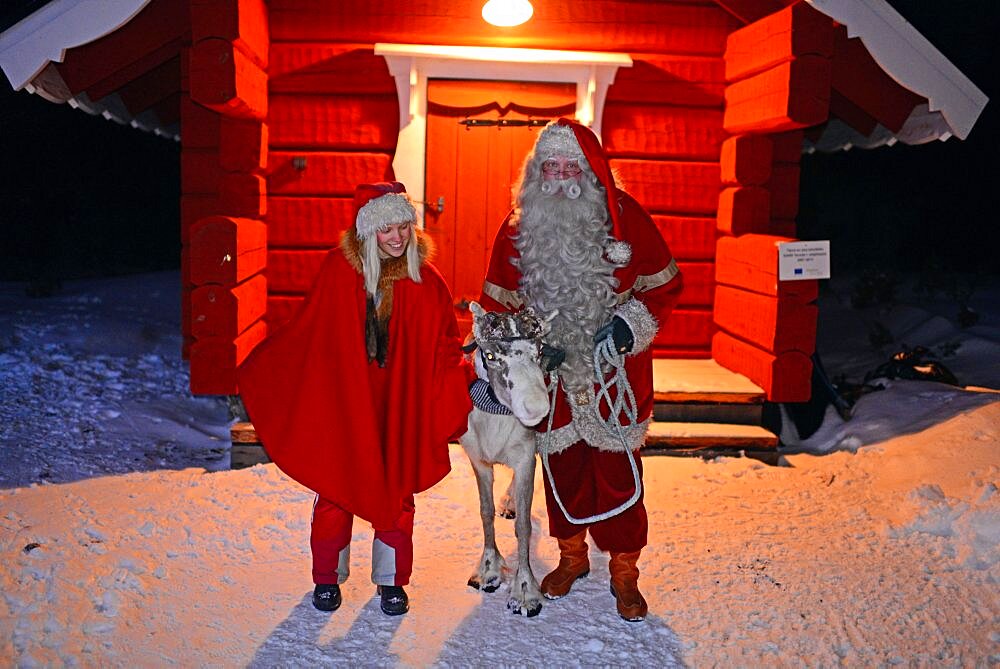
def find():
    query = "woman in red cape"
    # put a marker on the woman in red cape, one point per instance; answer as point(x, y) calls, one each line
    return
point(357, 397)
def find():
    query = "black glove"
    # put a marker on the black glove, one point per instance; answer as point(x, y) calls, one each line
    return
point(621, 334)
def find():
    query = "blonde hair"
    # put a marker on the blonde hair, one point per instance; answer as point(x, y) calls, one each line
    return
point(371, 261)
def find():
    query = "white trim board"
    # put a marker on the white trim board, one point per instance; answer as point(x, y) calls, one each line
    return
point(411, 65)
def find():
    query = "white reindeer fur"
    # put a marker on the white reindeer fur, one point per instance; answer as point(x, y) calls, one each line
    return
point(500, 439)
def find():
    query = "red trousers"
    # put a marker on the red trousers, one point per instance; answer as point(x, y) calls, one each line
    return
point(392, 548)
point(590, 482)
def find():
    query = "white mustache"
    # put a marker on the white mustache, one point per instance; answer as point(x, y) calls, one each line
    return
point(569, 187)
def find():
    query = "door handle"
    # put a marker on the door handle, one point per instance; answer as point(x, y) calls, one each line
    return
point(436, 207)
point(462, 305)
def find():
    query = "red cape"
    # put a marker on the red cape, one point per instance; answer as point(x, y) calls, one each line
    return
point(307, 390)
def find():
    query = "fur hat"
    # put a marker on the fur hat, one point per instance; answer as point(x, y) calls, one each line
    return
point(573, 140)
point(379, 205)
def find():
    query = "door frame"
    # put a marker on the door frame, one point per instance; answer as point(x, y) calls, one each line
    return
point(411, 65)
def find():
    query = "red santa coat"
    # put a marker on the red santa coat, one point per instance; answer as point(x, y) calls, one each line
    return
point(361, 436)
point(651, 277)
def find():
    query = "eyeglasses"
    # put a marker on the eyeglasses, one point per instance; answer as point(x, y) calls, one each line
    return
point(570, 169)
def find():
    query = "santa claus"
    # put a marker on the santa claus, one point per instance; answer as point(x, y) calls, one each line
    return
point(578, 246)
point(358, 396)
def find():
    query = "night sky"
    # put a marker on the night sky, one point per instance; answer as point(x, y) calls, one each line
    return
point(83, 196)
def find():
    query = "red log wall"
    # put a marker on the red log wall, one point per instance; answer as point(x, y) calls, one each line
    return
point(333, 106)
point(223, 192)
point(778, 73)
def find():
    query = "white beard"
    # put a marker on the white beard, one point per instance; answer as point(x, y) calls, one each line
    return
point(561, 244)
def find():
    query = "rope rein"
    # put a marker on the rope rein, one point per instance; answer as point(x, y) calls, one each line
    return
point(624, 403)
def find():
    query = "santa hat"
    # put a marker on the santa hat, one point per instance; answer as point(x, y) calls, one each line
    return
point(575, 141)
point(379, 205)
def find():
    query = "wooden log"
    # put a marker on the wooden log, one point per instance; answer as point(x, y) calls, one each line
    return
point(195, 207)
point(156, 85)
point(787, 146)
point(293, 270)
point(214, 360)
point(784, 188)
point(201, 173)
point(689, 237)
point(168, 111)
point(694, 437)
point(226, 250)
point(791, 95)
point(328, 69)
point(671, 80)
point(200, 126)
point(340, 123)
point(785, 377)
point(670, 187)
point(699, 284)
point(243, 195)
point(774, 324)
point(240, 22)
point(748, 11)
point(226, 311)
point(851, 114)
point(311, 221)
point(686, 328)
point(226, 80)
point(665, 27)
point(745, 160)
point(150, 38)
point(324, 173)
point(242, 145)
point(673, 353)
point(863, 82)
point(659, 131)
point(750, 262)
point(282, 308)
point(744, 209)
point(186, 289)
point(795, 31)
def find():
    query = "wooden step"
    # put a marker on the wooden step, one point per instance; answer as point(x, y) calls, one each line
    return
point(678, 381)
point(666, 436)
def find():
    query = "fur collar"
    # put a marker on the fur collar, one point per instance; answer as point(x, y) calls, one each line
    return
point(392, 270)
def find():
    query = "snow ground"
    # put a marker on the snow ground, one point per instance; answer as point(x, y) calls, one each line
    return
point(127, 541)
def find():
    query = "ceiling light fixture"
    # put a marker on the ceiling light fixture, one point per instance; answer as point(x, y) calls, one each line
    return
point(507, 13)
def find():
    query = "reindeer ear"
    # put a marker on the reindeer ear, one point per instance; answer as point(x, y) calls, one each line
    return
point(476, 309)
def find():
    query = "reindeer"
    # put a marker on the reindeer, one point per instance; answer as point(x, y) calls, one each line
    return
point(512, 360)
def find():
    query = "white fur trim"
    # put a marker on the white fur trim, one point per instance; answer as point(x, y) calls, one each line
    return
point(559, 140)
point(642, 323)
point(619, 253)
point(381, 212)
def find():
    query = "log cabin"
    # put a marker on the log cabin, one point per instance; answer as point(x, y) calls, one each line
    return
point(704, 107)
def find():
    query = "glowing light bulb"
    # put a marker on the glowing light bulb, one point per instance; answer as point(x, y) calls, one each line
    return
point(507, 13)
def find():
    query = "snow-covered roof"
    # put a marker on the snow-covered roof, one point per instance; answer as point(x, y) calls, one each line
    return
point(30, 47)
point(954, 103)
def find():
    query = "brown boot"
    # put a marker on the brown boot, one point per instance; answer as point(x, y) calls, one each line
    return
point(573, 564)
point(625, 586)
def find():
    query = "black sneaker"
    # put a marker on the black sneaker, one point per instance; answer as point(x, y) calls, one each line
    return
point(326, 597)
point(394, 600)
